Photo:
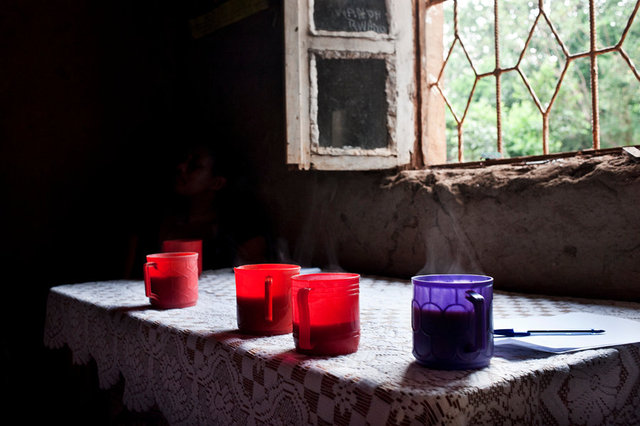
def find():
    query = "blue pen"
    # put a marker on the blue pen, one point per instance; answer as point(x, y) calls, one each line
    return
point(510, 332)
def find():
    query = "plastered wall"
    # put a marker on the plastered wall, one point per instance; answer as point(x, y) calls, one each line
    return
point(569, 226)
point(565, 227)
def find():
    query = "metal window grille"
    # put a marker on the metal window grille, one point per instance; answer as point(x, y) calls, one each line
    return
point(543, 16)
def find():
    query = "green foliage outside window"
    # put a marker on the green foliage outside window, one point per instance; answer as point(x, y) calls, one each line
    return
point(542, 64)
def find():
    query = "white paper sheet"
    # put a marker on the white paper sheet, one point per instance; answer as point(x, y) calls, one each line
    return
point(618, 331)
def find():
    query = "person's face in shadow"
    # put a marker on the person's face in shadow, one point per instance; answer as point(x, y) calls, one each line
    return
point(196, 175)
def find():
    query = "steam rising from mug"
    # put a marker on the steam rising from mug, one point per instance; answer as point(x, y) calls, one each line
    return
point(448, 252)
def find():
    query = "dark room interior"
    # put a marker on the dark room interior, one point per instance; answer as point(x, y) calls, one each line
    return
point(98, 100)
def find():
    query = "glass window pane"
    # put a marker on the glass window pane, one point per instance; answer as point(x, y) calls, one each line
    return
point(352, 103)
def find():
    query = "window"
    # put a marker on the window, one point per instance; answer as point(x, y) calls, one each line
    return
point(350, 83)
point(525, 78)
point(374, 84)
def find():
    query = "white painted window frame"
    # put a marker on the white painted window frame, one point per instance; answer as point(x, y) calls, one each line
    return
point(304, 43)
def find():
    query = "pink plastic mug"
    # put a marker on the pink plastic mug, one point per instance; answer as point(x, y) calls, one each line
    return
point(263, 294)
point(183, 245)
point(171, 279)
point(326, 313)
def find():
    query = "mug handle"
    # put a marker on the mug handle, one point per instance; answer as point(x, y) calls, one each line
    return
point(304, 334)
point(147, 280)
point(477, 300)
point(268, 298)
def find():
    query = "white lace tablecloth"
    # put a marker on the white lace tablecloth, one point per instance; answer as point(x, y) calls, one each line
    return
point(193, 365)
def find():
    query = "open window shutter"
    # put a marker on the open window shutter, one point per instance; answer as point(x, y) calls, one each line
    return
point(350, 83)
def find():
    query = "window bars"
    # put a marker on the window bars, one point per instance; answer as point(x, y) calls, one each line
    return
point(543, 16)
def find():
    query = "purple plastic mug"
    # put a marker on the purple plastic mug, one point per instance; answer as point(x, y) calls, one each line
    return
point(452, 321)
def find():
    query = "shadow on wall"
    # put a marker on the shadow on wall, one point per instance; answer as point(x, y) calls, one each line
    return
point(317, 240)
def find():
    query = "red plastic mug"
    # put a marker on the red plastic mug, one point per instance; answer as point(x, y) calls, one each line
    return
point(184, 245)
point(171, 279)
point(263, 295)
point(326, 313)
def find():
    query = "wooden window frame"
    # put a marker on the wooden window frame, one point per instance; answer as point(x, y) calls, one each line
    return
point(304, 43)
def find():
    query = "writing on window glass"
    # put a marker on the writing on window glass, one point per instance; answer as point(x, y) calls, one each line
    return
point(351, 15)
point(361, 20)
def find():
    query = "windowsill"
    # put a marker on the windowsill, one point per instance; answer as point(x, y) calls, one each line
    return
point(534, 159)
point(522, 173)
